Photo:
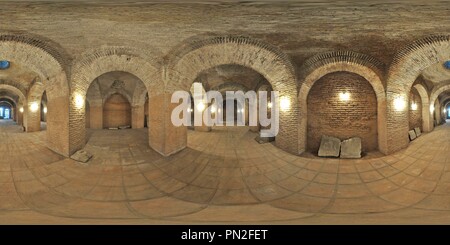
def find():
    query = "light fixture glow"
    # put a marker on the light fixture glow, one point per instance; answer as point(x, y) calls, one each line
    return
point(431, 108)
point(34, 107)
point(399, 103)
point(79, 101)
point(21, 109)
point(200, 106)
point(344, 96)
point(269, 105)
point(285, 103)
point(45, 109)
point(413, 106)
point(213, 109)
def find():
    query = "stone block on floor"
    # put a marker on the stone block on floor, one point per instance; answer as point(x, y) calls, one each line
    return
point(417, 131)
point(351, 148)
point(329, 146)
point(263, 140)
point(81, 156)
point(412, 135)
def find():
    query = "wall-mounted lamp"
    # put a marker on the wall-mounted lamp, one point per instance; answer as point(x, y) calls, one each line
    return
point(45, 109)
point(79, 101)
point(414, 106)
point(269, 105)
point(344, 96)
point(285, 103)
point(431, 108)
point(399, 103)
point(21, 109)
point(34, 107)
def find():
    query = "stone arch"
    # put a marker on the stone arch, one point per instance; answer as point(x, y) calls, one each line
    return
point(95, 100)
point(139, 95)
point(230, 86)
point(187, 63)
point(47, 60)
point(117, 91)
point(437, 91)
point(426, 115)
point(95, 95)
point(94, 63)
point(434, 101)
point(13, 90)
point(9, 99)
point(21, 100)
point(363, 65)
point(14, 84)
point(406, 66)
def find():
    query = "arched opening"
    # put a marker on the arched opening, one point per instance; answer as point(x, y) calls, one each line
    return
point(117, 112)
point(185, 65)
point(447, 110)
point(342, 105)
point(229, 78)
point(109, 104)
point(5, 110)
point(117, 62)
point(11, 107)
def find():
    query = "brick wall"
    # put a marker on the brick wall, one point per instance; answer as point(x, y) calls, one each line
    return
point(415, 116)
point(116, 111)
point(328, 115)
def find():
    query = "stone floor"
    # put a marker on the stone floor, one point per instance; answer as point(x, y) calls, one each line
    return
point(224, 176)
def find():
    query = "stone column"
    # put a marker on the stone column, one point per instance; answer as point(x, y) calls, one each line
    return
point(33, 123)
point(137, 116)
point(19, 116)
point(96, 115)
point(164, 137)
point(437, 111)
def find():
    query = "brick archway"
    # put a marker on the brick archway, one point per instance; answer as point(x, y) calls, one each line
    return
point(187, 63)
point(322, 64)
point(434, 101)
point(94, 63)
point(45, 58)
point(406, 66)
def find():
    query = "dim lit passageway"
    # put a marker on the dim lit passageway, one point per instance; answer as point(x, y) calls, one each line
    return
point(223, 176)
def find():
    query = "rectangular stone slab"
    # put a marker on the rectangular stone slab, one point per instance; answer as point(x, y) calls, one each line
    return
point(351, 148)
point(81, 156)
point(418, 132)
point(412, 135)
point(329, 147)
